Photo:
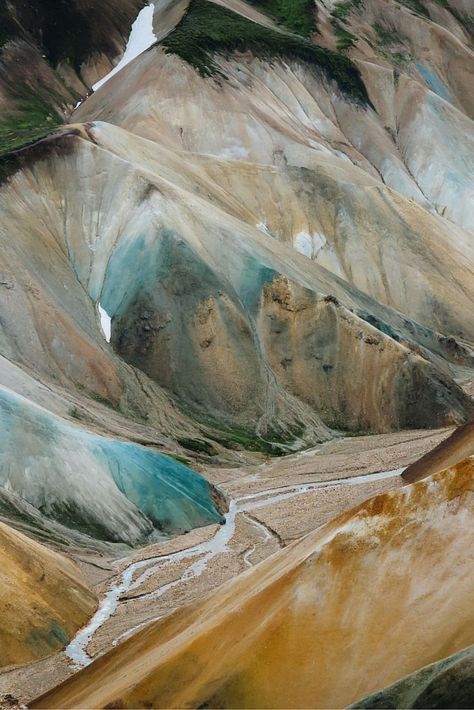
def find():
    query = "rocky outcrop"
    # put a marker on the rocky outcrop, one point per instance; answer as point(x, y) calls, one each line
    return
point(44, 599)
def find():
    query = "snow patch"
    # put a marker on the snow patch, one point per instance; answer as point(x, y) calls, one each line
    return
point(309, 244)
point(262, 226)
point(235, 152)
point(304, 244)
point(105, 322)
point(141, 38)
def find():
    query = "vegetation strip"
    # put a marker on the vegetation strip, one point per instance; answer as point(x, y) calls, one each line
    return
point(208, 29)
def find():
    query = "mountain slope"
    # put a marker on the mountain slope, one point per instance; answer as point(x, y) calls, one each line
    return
point(243, 136)
point(455, 448)
point(242, 232)
point(50, 55)
point(282, 108)
point(211, 299)
point(245, 206)
point(107, 489)
point(446, 684)
point(44, 599)
point(319, 623)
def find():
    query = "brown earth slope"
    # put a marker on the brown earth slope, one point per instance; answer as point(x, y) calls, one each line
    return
point(43, 601)
point(455, 448)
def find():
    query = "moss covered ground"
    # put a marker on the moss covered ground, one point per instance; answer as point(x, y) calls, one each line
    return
point(298, 16)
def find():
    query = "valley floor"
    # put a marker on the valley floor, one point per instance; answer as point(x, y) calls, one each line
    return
point(270, 505)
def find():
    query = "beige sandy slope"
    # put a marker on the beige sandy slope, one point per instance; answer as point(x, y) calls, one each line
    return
point(334, 213)
point(319, 624)
point(417, 141)
point(44, 599)
point(231, 179)
point(455, 448)
point(236, 310)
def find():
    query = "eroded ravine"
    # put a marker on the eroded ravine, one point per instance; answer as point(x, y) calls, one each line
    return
point(135, 574)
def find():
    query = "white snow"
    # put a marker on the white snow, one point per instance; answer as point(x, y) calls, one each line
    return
point(304, 244)
point(141, 37)
point(235, 152)
point(105, 322)
point(309, 244)
point(262, 226)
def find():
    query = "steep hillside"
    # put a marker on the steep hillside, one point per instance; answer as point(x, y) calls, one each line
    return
point(210, 300)
point(44, 599)
point(50, 55)
point(261, 178)
point(284, 99)
point(446, 684)
point(237, 232)
point(318, 624)
point(457, 447)
point(105, 488)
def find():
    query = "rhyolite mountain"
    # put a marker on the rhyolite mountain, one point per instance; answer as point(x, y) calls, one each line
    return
point(231, 230)
point(271, 204)
point(256, 172)
point(333, 616)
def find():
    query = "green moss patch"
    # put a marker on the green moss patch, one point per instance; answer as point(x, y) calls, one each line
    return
point(295, 15)
point(416, 6)
point(177, 457)
point(343, 9)
point(274, 444)
point(385, 36)
point(208, 29)
point(388, 37)
point(32, 120)
point(198, 445)
point(339, 15)
point(345, 39)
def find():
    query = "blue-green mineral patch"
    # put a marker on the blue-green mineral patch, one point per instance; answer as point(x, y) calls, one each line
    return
point(109, 489)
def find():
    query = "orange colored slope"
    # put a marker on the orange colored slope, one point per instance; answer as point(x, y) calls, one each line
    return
point(43, 599)
point(377, 593)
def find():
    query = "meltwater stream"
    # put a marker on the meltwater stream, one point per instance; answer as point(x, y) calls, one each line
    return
point(205, 551)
